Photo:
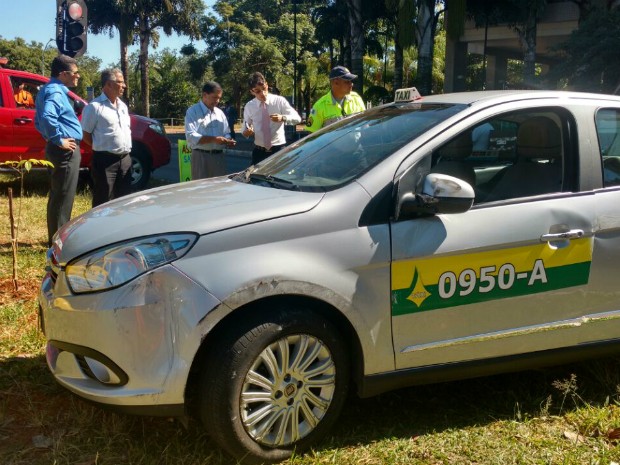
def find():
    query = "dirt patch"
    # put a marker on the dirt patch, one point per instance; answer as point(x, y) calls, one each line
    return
point(27, 290)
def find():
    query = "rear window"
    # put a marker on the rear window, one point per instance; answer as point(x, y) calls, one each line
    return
point(608, 131)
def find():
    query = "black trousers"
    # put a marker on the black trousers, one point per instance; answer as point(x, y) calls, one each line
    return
point(111, 176)
point(63, 183)
point(260, 153)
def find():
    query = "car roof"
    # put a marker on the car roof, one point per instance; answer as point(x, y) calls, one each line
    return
point(499, 96)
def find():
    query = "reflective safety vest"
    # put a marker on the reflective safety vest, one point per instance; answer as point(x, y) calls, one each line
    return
point(327, 110)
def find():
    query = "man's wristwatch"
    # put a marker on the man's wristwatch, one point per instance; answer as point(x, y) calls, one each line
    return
point(284, 118)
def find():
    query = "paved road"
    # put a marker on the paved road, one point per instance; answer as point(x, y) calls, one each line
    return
point(237, 159)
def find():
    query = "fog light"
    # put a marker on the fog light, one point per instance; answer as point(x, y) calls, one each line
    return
point(101, 372)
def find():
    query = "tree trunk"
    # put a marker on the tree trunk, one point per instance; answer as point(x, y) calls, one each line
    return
point(13, 239)
point(357, 43)
point(528, 42)
point(398, 66)
point(426, 41)
point(145, 35)
point(125, 33)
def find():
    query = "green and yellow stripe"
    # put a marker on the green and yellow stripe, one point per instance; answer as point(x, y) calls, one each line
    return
point(415, 283)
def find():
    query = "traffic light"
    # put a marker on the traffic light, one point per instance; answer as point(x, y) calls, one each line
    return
point(71, 27)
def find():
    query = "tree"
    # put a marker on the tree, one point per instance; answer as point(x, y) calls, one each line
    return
point(520, 15)
point(402, 15)
point(143, 18)
point(425, 28)
point(107, 15)
point(588, 59)
point(172, 89)
point(26, 57)
point(357, 41)
point(330, 37)
point(524, 20)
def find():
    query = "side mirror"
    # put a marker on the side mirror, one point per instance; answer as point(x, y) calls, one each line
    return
point(440, 194)
point(78, 106)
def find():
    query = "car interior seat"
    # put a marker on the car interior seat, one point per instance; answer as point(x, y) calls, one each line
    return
point(538, 166)
point(451, 159)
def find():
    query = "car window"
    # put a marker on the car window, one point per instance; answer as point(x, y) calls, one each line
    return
point(25, 91)
point(518, 154)
point(608, 131)
point(330, 158)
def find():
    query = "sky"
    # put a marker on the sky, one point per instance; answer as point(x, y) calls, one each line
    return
point(35, 20)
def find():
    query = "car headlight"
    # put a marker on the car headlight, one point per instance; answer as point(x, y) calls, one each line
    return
point(158, 128)
point(115, 265)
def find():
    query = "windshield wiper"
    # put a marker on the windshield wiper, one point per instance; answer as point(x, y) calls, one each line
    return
point(274, 181)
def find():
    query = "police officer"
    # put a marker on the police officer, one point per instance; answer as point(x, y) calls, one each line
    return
point(339, 102)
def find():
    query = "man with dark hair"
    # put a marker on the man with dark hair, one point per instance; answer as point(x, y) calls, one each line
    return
point(264, 117)
point(57, 122)
point(207, 133)
point(106, 126)
point(339, 102)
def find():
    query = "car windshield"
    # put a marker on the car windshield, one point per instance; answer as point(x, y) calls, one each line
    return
point(345, 150)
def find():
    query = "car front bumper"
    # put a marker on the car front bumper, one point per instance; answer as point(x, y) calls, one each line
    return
point(131, 347)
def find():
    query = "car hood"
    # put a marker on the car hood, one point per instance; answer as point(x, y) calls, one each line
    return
point(203, 206)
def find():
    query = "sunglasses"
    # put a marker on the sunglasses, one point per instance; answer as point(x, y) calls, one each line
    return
point(72, 73)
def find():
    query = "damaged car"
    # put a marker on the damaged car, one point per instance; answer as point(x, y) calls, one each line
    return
point(427, 239)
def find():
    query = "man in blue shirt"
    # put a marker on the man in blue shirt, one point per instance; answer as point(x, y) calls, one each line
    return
point(57, 122)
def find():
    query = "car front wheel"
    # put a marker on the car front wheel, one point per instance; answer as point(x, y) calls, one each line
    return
point(274, 386)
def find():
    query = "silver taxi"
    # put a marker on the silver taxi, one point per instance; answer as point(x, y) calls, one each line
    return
point(437, 238)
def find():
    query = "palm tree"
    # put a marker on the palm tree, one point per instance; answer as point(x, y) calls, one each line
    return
point(107, 15)
point(425, 28)
point(143, 18)
point(402, 16)
point(357, 41)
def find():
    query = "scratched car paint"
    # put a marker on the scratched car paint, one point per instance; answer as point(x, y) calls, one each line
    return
point(422, 240)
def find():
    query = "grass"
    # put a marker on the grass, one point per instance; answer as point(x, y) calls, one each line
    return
point(563, 415)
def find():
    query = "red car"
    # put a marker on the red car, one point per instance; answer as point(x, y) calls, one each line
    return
point(19, 138)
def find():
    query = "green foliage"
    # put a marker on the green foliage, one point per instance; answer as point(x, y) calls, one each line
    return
point(589, 58)
point(27, 57)
point(89, 75)
point(171, 89)
point(24, 166)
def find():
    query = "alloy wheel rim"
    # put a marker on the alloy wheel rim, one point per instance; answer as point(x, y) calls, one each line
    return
point(287, 390)
point(136, 172)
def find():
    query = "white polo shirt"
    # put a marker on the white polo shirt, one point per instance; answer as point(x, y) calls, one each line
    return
point(109, 125)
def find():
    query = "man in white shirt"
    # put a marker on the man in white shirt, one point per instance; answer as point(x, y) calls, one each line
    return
point(207, 133)
point(107, 128)
point(264, 117)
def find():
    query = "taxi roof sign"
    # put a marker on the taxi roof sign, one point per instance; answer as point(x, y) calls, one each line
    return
point(407, 95)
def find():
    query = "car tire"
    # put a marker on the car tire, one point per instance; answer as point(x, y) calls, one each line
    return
point(258, 407)
point(141, 169)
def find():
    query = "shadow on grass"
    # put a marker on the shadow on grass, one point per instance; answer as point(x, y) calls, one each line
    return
point(37, 182)
point(35, 408)
point(423, 410)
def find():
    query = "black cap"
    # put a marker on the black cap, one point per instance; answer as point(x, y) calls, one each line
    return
point(340, 72)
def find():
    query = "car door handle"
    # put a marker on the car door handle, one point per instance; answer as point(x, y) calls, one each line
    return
point(572, 234)
point(22, 120)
